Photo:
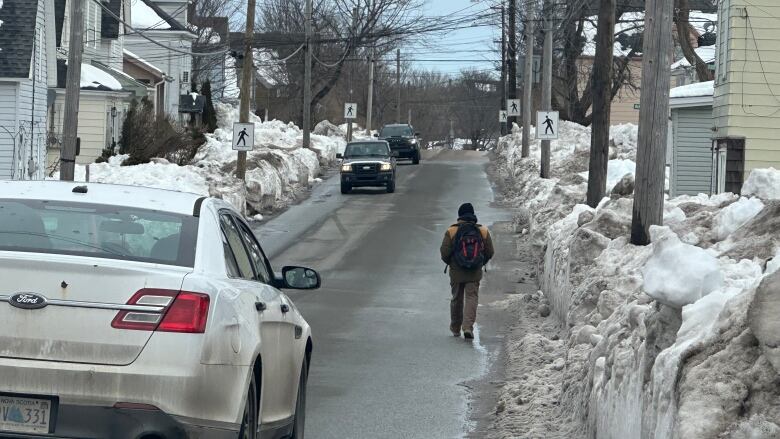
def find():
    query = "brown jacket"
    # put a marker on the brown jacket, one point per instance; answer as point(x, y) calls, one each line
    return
point(457, 274)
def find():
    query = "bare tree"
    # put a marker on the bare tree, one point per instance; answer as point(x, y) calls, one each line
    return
point(684, 32)
point(345, 30)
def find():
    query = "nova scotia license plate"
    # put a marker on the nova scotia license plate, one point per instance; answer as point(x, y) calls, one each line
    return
point(25, 415)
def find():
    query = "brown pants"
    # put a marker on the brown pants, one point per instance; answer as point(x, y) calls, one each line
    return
point(463, 306)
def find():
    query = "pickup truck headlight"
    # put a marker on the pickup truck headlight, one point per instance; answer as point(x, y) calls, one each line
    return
point(413, 141)
point(386, 167)
point(346, 168)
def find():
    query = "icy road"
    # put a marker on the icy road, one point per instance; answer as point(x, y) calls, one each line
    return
point(385, 364)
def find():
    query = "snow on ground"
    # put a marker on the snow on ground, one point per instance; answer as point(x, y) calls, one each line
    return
point(277, 169)
point(657, 339)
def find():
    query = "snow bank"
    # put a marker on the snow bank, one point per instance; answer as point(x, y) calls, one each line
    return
point(658, 341)
point(679, 274)
point(736, 215)
point(763, 183)
point(277, 169)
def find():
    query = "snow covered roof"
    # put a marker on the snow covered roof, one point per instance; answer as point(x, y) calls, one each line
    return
point(700, 94)
point(95, 78)
point(694, 90)
point(706, 53)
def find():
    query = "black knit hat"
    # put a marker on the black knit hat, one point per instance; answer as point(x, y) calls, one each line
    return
point(465, 209)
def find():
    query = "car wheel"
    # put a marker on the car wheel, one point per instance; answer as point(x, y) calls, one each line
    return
point(416, 159)
point(345, 188)
point(391, 187)
point(300, 406)
point(249, 425)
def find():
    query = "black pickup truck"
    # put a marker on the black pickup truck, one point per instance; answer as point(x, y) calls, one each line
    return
point(367, 163)
point(403, 140)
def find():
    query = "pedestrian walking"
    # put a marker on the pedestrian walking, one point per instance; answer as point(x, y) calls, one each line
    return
point(466, 248)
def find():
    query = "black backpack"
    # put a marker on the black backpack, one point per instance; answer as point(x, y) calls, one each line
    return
point(468, 247)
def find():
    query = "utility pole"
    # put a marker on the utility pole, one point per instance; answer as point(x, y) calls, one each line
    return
point(653, 121)
point(547, 82)
point(307, 79)
point(352, 71)
point(452, 133)
point(370, 106)
point(502, 86)
point(398, 83)
point(602, 103)
point(247, 77)
point(72, 90)
point(528, 79)
point(511, 55)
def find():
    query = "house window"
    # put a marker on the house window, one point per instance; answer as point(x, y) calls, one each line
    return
point(185, 77)
point(723, 52)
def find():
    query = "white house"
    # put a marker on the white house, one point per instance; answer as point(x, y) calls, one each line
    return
point(164, 22)
point(106, 91)
point(27, 69)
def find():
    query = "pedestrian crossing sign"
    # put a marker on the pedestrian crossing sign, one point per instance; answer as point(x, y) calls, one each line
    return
point(243, 136)
point(547, 125)
point(513, 107)
point(502, 117)
point(350, 111)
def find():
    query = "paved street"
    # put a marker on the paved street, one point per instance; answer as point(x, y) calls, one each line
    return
point(385, 364)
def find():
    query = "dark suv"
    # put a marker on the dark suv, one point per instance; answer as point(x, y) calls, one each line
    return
point(403, 140)
point(368, 163)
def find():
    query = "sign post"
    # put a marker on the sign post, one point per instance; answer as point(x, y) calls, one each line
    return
point(547, 125)
point(243, 136)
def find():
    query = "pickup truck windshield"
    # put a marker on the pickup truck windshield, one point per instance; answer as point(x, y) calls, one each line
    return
point(399, 131)
point(367, 150)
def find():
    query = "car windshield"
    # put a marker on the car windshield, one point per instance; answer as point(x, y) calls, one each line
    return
point(376, 149)
point(396, 131)
point(100, 231)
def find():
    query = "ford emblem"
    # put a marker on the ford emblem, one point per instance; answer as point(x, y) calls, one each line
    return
point(28, 301)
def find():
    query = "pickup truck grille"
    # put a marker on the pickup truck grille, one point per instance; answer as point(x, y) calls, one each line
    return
point(365, 168)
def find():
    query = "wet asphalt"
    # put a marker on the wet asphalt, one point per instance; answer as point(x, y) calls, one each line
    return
point(385, 364)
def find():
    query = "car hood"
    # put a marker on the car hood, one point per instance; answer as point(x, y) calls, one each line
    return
point(366, 160)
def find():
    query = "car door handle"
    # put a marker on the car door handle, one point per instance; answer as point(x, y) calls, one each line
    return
point(260, 306)
point(285, 308)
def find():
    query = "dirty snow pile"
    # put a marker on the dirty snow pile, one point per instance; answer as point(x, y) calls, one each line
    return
point(678, 339)
point(277, 169)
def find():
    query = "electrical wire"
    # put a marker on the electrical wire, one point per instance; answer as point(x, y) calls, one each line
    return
point(151, 40)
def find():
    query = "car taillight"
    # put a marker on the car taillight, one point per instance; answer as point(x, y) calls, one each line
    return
point(164, 310)
point(188, 313)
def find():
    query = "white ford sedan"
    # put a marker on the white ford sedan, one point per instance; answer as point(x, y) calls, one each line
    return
point(128, 312)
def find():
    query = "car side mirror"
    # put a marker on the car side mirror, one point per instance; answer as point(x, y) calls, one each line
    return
point(376, 134)
point(417, 134)
point(300, 278)
point(395, 154)
point(339, 156)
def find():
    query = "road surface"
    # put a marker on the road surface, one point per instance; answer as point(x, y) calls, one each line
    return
point(385, 364)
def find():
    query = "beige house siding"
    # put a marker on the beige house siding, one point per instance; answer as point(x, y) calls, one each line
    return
point(94, 116)
point(747, 87)
point(623, 104)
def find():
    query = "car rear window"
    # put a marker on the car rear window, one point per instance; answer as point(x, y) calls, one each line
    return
point(396, 131)
point(111, 232)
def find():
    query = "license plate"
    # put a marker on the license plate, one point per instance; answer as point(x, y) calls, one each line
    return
point(25, 415)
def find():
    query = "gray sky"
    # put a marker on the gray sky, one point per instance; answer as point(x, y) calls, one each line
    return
point(474, 45)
